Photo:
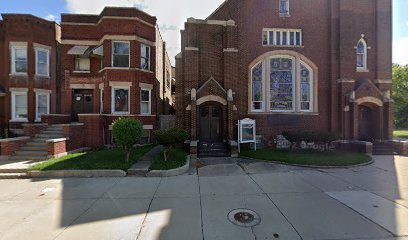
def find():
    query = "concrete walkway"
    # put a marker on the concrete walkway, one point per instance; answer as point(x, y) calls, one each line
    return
point(142, 166)
point(369, 202)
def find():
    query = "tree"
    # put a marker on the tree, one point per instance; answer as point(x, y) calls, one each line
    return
point(400, 95)
point(169, 138)
point(127, 132)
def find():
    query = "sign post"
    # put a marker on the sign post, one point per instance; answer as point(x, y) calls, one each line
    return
point(246, 132)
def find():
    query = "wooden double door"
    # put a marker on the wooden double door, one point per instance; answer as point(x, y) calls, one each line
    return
point(82, 102)
point(210, 119)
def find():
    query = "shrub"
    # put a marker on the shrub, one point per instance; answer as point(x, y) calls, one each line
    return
point(169, 138)
point(127, 132)
point(318, 137)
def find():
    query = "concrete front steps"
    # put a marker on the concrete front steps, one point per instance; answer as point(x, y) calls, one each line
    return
point(34, 151)
point(383, 148)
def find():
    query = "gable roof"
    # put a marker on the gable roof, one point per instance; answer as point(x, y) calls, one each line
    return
point(217, 10)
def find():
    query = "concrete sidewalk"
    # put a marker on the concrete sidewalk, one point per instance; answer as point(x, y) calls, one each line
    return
point(369, 202)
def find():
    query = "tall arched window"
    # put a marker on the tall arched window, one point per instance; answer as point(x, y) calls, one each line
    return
point(361, 55)
point(289, 84)
point(257, 88)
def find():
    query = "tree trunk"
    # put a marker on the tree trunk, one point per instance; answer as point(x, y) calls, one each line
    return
point(127, 152)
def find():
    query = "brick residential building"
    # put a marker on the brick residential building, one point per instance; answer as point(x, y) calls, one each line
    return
point(28, 70)
point(113, 64)
point(290, 65)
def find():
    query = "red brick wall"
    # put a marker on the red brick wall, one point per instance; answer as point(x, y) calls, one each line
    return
point(76, 134)
point(55, 148)
point(32, 129)
point(30, 29)
point(51, 119)
point(329, 43)
point(10, 146)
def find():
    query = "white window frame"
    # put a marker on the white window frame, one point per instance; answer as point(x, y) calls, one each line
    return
point(149, 57)
point(113, 110)
point(37, 94)
point(13, 106)
point(296, 87)
point(78, 58)
point(150, 101)
point(281, 31)
point(364, 68)
point(13, 47)
point(112, 54)
point(311, 87)
point(263, 87)
point(38, 49)
point(286, 14)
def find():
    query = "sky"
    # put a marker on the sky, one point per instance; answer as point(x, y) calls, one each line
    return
point(171, 17)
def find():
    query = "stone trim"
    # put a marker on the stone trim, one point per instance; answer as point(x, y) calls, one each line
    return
point(38, 45)
point(346, 80)
point(120, 84)
point(383, 81)
point(82, 86)
point(14, 139)
point(110, 17)
point(57, 140)
point(108, 37)
point(191, 49)
point(42, 90)
point(373, 100)
point(234, 50)
point(18, 89)
point(146, 86)
point(211, 79)
point(211, 98)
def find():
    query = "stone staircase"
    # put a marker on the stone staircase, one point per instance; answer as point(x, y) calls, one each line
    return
point(35, 150)
point(383, 148)
point(212, 149)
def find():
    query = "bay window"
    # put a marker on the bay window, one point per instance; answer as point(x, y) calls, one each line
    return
point(120, 54)
point(19, 58)
point(145, 57)
point(42, 62)
point(120, 100)
point(19, 106)
point(145, 101)
point(42, 104)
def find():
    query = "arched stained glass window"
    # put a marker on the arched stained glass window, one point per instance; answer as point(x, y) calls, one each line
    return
point(281, 84)
point(257, 88)
point(305, 88)
point(361, 55)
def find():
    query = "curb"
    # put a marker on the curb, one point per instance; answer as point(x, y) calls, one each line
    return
point(312, 166)
point(76, 173)
point(171, 172)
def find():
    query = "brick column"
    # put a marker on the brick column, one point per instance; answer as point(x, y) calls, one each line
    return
point(388, 120)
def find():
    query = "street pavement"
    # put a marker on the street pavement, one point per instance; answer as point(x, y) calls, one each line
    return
point(369, 202)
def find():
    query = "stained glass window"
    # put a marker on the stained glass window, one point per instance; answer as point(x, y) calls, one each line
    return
point(305, 103)
point(361, 54)
point(282, 37)
point(281, 84)
point(265, 38)
point(257, 96)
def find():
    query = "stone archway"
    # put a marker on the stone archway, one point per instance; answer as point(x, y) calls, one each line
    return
point(369, 118)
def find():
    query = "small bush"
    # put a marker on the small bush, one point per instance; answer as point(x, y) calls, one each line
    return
point(169, 138)
point(127, 132)
point(311, 136)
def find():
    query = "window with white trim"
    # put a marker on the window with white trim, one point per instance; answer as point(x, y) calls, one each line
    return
point(284, 7)
point(257, 88)
point(289, 82)
point(120, 54)
point(145, 101)
point(282, 37)
point(144, 57)
point(101, 97)
point(82, 64)
point(19, 106)
point(42, 62)
point(42, 105)
point(19, 59)
point(120, 100)
point(361, 51)
point(168, 80)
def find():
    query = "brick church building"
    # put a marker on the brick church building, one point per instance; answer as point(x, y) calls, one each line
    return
point(290, 65)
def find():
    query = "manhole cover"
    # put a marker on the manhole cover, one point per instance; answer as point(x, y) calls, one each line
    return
point(244, 217)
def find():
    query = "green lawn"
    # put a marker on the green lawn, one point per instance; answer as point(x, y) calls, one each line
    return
point(401, 133)
point(103, 159)
point(175, 159)
point(308, 158)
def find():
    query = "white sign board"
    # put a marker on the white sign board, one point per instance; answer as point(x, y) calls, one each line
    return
point(246, 132)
